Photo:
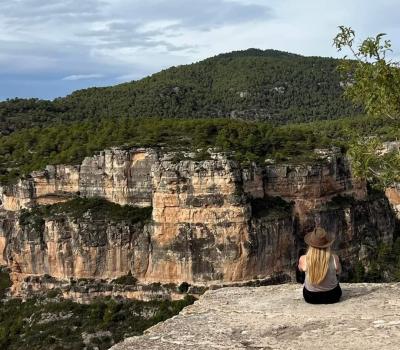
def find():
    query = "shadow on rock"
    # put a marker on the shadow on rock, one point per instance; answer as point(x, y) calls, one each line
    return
point(359, 292)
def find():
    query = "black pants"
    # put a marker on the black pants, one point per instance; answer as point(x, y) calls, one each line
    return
point(329, 297)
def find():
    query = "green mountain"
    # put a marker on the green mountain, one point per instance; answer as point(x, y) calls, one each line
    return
point(252, 84)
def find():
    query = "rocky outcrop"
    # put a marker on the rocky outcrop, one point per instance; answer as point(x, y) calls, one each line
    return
point(393, 192)
point(393, 195)
point(359, 228)
point(213, 221)
point(131, 176)
point(311, 186)
point(204, 254)
point(202, 224)
point(276, 317)
point(66, 248)
point(120, 176)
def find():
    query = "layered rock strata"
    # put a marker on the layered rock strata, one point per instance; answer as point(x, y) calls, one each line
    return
point(212, 222)
point(132, 176)
point(311, 186)
point(120, 176)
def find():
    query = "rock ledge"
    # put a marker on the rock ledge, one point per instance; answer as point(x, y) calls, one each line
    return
point(276, 317)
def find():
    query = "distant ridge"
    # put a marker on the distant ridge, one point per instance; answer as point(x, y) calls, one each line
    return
point(253, 52)
point(251, 84)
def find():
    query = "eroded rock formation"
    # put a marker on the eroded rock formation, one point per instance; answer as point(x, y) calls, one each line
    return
point(121, 176)
point(212, 221)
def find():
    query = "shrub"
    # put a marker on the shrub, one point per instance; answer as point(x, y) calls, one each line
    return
point(270, 208)
point(5, 282)
point(125, 280)
point(183, 287)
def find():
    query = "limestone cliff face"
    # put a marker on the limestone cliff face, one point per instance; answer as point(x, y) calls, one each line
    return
point(200, 221)
point(121, 176)
point(64, 248)
point(311, 186)
point(359, 228)
point(213, 221)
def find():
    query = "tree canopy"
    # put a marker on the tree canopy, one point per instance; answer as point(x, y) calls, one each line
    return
point(33, 148)
point(372, 81)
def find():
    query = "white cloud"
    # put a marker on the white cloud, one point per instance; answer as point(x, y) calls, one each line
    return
point(83, 76)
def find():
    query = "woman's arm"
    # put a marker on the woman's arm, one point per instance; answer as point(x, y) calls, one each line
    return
point(302, 263)
point(338, 265)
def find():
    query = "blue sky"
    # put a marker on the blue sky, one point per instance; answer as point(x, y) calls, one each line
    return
point(50, 48)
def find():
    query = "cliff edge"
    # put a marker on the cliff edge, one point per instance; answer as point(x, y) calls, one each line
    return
point(276, 317)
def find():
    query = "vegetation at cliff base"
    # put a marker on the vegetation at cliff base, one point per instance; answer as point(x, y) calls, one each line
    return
point(62, 324)
point(126, 280)
point(384, 265)
point(95, 207)
point(5, 281)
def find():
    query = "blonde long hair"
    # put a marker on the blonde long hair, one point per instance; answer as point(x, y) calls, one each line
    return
point(317, 260)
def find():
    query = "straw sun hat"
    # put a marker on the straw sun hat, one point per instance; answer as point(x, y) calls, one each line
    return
point(318, 238)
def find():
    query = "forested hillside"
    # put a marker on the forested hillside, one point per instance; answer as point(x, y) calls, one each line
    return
point(33, 148)
point(251, 85)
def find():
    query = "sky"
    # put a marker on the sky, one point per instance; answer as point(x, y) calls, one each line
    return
point(49, 48)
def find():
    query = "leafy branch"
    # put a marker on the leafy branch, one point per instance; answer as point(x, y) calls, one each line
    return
point(372, 81)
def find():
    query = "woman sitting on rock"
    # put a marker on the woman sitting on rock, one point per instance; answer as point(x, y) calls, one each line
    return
point(321, 267)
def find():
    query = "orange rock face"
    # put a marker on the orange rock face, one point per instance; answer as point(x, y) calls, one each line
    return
point(203, 225)
point(121, 176)
point(393, 195)
point(311, 186)
point(213, 221)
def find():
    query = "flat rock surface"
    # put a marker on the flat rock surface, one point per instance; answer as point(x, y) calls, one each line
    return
point(276, 317)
